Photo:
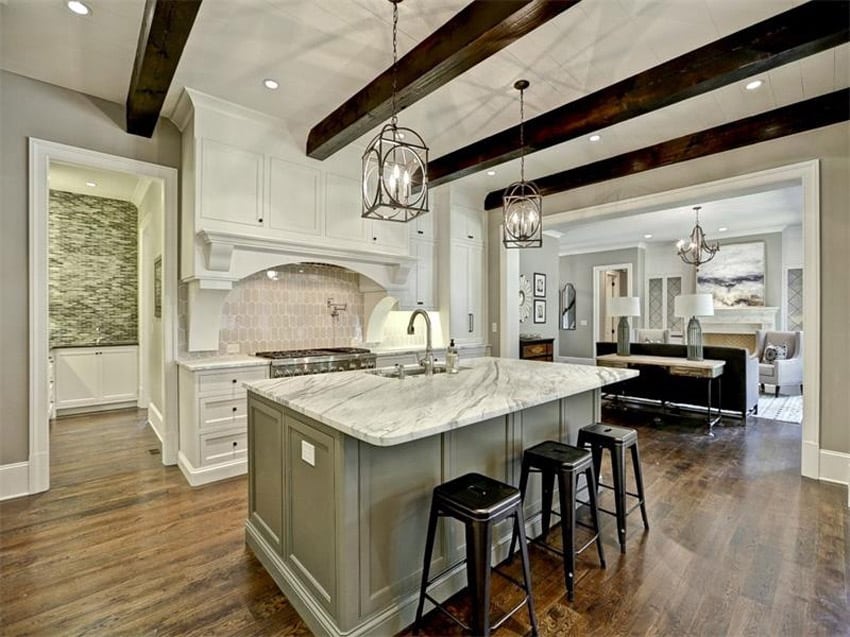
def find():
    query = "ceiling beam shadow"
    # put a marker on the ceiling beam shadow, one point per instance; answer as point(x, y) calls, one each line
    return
point(165, 28)
point(792, 35)
point(787, 120)
point(479, 30)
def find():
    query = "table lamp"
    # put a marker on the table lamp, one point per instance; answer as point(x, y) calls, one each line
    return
point(691, 306)
point(623, 306)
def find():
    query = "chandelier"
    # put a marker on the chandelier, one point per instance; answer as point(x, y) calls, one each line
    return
point(522, 203)
point(695, 250)
point(395, 174)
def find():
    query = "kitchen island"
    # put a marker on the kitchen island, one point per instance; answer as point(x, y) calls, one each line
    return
point(341, 468)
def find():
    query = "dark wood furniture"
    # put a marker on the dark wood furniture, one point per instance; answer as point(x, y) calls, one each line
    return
point(536, 349)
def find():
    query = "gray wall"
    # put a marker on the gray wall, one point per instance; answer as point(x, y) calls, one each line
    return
point(93, 270)
point(831, 145)
point(578, 270)
point(31, 108)
point(543, 260)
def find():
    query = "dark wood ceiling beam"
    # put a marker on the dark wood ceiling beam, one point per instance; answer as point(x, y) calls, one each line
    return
point(479, 30)
point(789, 36)
point(780, 122)
point(165, 28)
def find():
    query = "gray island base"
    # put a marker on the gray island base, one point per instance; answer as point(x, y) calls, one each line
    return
point(341, 468)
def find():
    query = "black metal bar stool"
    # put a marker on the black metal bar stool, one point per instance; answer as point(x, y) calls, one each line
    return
point(616, 439)
point(552, 459)
point(479, 502)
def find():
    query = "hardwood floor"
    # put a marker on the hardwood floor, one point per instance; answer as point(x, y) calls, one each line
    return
point(739, 545)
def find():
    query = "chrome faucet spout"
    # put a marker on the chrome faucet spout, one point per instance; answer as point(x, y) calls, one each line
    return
point(428, 361)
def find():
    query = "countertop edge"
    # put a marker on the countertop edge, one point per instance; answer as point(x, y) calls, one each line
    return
point(213, 363)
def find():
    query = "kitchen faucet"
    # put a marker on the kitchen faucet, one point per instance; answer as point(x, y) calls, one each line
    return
point(428, 361)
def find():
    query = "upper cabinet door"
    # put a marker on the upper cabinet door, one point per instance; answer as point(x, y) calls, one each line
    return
point(391, 235)
point(231, 182)
point(467, 224)
point(423, 227)
point(294, 198)
point(343, 208)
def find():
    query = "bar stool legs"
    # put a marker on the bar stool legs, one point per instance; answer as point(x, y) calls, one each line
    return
point(479, 503)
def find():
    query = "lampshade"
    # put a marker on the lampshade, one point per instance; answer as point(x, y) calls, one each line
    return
point(624, 306)
point(687, 305)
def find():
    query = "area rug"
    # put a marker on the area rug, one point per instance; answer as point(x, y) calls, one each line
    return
point(784, 408)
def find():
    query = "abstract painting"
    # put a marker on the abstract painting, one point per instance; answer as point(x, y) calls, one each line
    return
point(735, 276)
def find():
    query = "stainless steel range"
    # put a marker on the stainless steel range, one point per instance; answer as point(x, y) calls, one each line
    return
point(300, 362)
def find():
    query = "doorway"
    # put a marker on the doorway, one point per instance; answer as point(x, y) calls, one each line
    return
point(164, 181)
point(608, 281)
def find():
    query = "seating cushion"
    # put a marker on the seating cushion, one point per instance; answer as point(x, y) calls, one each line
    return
point(766, 370)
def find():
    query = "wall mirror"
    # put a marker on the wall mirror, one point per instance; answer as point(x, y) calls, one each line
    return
point(568, 307)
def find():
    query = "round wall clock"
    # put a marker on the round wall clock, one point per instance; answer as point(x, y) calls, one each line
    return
point(524, 298)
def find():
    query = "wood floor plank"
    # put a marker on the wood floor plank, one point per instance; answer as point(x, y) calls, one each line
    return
point(740, 544)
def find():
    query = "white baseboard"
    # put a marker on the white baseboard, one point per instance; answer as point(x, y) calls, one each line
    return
point(90, 409)
point(835, 467)
point(196, 477)
point(575, 360)
point(155, 420)
point(14, 480)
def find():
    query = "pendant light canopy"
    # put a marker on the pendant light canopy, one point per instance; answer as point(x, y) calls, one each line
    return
point(695, 250)
point(522, 202)
point(395, 165)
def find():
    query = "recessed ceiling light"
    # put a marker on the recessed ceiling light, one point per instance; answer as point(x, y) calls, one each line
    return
point(751, 86)
point(491, 172)
point(91, 184)
point(270, 84)
point(647, 236)
point(722, 229)
point(594, 138)
point(78, 7)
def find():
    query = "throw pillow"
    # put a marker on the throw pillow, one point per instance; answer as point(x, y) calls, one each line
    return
point(775, 352)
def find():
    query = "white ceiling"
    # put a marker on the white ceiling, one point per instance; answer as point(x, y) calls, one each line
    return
point(107, 183)
point(323, 51)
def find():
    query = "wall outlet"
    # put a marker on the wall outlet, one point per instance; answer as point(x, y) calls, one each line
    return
point(583, 323)
point(494, 327)
point(308, 453)
point(233, 348)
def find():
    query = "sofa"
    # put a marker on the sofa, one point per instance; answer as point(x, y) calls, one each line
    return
point(739, 383)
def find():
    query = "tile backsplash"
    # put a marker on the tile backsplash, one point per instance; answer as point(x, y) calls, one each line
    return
point(93, 269)
point(287, 308)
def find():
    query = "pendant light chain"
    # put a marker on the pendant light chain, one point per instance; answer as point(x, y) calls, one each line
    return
point(521, 135)
point(394, 118)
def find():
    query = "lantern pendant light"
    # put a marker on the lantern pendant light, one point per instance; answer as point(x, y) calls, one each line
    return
point(395, 164)
point(522, 202)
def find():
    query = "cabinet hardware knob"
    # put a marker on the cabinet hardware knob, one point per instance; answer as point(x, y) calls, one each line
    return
point(420, 232)
point(234, 380)
point(420, 303)
point(260, 220)
point(235, 408)
point(469, 236)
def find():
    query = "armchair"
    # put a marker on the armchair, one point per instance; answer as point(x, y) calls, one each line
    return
point(780, 372)
point(647, 335)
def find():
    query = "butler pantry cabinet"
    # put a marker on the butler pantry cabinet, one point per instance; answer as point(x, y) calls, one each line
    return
point(91, 377)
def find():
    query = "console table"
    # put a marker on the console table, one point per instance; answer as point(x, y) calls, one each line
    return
point(536, 349)
point(707, 369)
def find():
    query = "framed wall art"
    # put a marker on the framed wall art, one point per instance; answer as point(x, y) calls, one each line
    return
point(735, 276)
point(568, 307)
point(539, 311)
point(539, 284)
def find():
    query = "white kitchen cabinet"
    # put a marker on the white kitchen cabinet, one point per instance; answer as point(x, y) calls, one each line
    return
point(95, 376)
point(391, 235)
point(421, 291)
point(214, 422)
point(342, 210)
point(231, 185)
point(467, 224)
point(466, 302)
point(295, 203)
point(423, 227)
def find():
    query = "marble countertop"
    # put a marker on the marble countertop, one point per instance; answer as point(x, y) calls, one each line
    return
point(223, 362)
point(388, 411)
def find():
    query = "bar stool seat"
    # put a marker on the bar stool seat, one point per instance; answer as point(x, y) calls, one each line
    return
point(600, 436)
point(479, 503)
point(551, 458)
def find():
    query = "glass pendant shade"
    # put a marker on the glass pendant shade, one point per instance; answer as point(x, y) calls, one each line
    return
point(395, 175)
point(522, 203)
point(395, 165)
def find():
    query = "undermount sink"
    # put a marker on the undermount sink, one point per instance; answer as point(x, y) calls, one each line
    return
point(401, 371)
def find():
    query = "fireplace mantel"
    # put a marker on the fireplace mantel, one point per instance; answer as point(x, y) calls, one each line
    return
point(740, 320)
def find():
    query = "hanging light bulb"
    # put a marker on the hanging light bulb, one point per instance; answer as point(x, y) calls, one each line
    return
point(395, 173)
point(522, 202)
point(695, 250)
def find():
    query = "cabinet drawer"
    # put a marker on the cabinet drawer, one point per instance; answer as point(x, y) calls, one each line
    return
point(536, 350)
point(225, 447)
point(229, 382)
point(219, 412)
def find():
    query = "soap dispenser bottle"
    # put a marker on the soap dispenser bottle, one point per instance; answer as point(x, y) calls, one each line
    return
point(451, 358)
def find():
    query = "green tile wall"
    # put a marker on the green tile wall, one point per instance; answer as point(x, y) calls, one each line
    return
point(93, 269)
